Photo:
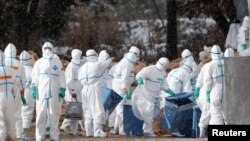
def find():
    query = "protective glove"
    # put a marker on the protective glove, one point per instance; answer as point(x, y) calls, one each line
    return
point(62, 92)
point(208, 96)
point(126, 96)
point(23, 98)
point(169, 91)
point(244, 46)
point(197, 92)
point(33, 91)
point(139, 81)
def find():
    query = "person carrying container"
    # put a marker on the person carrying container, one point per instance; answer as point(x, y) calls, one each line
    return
point(90, 76)
point(151, 80)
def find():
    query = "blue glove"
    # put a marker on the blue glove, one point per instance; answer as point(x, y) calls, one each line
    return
point(197, 92)
point(126, 96)
point(208, 96)
point(169, 91)
point(34, 91)
point(62, 92)
point(139, 81)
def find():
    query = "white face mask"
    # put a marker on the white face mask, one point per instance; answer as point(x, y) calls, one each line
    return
point(47, 53)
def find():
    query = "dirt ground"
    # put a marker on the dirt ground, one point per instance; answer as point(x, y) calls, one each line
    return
point(81, 137)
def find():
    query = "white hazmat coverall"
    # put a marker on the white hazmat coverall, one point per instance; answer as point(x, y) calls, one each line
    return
point(90, 76)
point(202, 103)
point(27, 111)
point(214, 85)
point(103, 55)
point(123, 78)
point(109, 77)
point(47, 77)
point(10, 55)
point(188, 57)
point(243, 44)
point(145, 96)
point(8, 83)
point(179, 79)
point(73, 86)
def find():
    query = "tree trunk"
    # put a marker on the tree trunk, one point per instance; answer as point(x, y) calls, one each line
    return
point(221, 22)
point(171, 30)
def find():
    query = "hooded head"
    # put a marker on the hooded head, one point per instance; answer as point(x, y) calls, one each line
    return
point(103, 55)
point(162, 64)
point(47, 50)
point(229, 52)
point(187, 55)
point(25, 58)
point(134, 54)
point(91, 55)
point(215, 52)
point(1, 58)
point(76, 56)
point(10, 51)
point(245, 22)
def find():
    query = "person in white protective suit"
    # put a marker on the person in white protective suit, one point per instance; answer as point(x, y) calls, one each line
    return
point(229, 52)
point(8, 83)
point(73, 89)
point(179, 78)
point(187, 56)
point(123, 78)
point(214, 85)
point(200, 96)
point(55, 56)
point(103, 55)
point(109, 79)
point(107, 82)
point(27, 111)
point(18, 96)
point(48, 87)
point(242, 38)
point(151, 80)
point(90, 76)
point(231, 39)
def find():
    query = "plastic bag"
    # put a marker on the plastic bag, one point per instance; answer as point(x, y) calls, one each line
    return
point(74, 111)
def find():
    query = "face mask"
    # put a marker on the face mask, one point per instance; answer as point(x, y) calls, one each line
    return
point(47, 53)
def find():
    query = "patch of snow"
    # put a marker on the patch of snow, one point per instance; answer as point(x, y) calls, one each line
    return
point(62, 50)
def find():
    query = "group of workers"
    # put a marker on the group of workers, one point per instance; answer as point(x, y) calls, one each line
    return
point(45, 86)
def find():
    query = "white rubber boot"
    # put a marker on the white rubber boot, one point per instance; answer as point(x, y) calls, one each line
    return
point(202, 132)
point(98, 131)
point(89, 130)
